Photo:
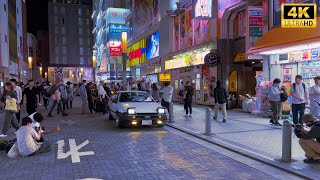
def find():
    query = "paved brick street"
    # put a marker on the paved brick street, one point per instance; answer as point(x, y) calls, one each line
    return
point(248, 133)
point(147, 153)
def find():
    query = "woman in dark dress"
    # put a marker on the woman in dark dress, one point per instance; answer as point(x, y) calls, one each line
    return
point(188, 91)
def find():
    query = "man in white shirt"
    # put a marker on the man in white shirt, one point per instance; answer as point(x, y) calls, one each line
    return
point(275, 101)
point(37, 118)
point(27, 139)
point(314, 96)
point(167, 95)
point(19, 97)
point(299, 95)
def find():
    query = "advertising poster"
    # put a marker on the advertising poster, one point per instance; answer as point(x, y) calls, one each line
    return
point(241, 24)
point(115, 48)
point(255, 25)
point(136, 54)
point(315, 54)
point(145, 14)
point(202, 9)
point(306, 55)
point(294, 56)
point(116, 16)
point(182, 35)
point(205, 77)
point(153, 46)
point(188, 30)
point(233, 81)
point(176, 33)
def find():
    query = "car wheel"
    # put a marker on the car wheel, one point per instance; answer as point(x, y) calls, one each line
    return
point(110, 117)
point(119, 123)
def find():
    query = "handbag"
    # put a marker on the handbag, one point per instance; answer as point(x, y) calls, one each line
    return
point(11, 105)
point(14, 151)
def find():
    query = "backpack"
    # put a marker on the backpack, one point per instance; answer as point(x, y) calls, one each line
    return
point(284, 96)
point(303, 85)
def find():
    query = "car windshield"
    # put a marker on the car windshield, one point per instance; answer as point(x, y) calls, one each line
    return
point(135, 97)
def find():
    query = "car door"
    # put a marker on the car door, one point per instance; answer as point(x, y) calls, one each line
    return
point(113, 104)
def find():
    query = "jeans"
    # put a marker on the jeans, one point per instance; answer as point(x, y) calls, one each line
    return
point(223, 107)
point(9, 118)
point(276, 108)
point(187, 106)
point(45, 147)
point(298, 108)
point(165, 104)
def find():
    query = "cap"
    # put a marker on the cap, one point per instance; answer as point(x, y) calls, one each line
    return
point(308, 118)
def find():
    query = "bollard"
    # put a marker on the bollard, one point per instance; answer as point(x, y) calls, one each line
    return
point(171, 117)
point(208, 122)
point(286, 141)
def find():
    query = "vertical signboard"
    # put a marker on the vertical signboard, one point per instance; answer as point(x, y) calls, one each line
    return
point(255, 25)
point(202, 9)
point(153, 46)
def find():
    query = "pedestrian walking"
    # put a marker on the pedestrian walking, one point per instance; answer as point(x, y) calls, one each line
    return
point(181, 92)
point(102, 98)
point(84, 97)
point(220, 98)
point(38, 94)
point(64, 97)
point(10, 98)
point(188, 94)
point(31, 96)
point(167, 95)
point(274, 93)
point(299, 95)
point(56, 97)
point(19, 97)
point(155, 92)
point(69, 89)
point(314, 96)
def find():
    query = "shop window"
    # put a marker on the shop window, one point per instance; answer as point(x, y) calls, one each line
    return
point(56, 20)
point(80, 31)
point(62, 10)
point(87, 12)
point(81, 51)
point(80, 41)
point(55, 10)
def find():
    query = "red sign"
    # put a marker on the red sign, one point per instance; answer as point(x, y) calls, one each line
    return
point(135, 54)
point(255, 21)
point(115, 48)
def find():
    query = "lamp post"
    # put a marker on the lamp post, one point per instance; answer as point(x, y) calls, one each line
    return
point(94, 65)
point(124, 38)
point(46, 76)
point(30, 66)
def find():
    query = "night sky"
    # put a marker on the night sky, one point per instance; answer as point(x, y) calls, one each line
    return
point(37, 15)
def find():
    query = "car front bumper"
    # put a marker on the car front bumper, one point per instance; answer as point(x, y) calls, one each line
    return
point(142, 119)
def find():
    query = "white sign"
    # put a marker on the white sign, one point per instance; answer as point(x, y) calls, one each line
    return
point(74, 150)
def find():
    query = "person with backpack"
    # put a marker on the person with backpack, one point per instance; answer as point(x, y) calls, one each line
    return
point(274, 96)
point(299, 95)
point(220, 98)
point(314, 96)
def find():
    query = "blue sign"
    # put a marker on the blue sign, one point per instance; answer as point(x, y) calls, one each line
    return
point(153, 46)
point(315, 54)
point(116, 30)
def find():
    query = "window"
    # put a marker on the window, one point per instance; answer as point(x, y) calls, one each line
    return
point(88, 31)
point(57, 50)
point(89, 51)
point(88, 22)
point(81, 60)
point(62, 20)
point(64, 50)
point(62, 10)
point(64, 60)
point(89, 60)
point(80, 41)
point(80, 31)
point(55, 10)
point(63, 30)
point(80, 21)
point(87, 12)
point(56, 30)
point(64, 40)
point(57, 59)
point(6, 38)
point(80, 12)
point(81, 51)
point(56, 20)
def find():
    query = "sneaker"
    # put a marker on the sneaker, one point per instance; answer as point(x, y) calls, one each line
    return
point(190, 115)
point(224, 120)
point(185, 115)
point(49, 115)
point(3, 135)
point(278, 124)
point(271, 121)
point(311, 160)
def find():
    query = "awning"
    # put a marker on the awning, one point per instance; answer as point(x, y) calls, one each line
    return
point(280, 38)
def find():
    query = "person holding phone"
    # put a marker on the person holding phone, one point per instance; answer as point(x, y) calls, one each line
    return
point(314, 96)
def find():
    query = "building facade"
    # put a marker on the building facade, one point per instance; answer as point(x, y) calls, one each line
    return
point(70, 41)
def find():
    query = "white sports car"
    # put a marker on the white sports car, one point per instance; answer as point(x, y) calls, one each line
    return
point(136, 108)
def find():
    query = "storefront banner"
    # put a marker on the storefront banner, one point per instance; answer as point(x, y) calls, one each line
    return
point(241, 24)
point(306, 55)
point(315, 54)
point(116, 16)
point(153, 46)
point(294, 56)
point(116, 30)
point(136, 54)
point(192, 60)
point(255, 25)
point(115, 48)
point(152, 78)
point(164, 77)
point(233, 81)
point(103, 66)
point(202, 9)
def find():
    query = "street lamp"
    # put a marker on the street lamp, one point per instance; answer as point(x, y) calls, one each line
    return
point(124, 38)
point(94, 65)
point(40, 70)
point(30, 65)
point(46, 75)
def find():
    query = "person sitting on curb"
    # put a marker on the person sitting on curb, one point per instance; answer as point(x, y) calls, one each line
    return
point(309, 140)
point(37, 118)
point(27, 139)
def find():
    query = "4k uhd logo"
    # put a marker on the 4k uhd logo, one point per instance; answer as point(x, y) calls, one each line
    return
point(298, 16)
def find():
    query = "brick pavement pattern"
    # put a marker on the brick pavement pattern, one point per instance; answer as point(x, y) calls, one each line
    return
point(146, 153)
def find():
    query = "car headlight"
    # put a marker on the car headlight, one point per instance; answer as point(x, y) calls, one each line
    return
point(131, 111)
point(161, 110)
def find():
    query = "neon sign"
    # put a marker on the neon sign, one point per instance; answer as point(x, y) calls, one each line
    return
point(202, 9)
point(136, 53)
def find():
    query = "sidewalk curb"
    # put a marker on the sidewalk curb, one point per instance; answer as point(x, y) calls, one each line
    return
point(274, 163)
